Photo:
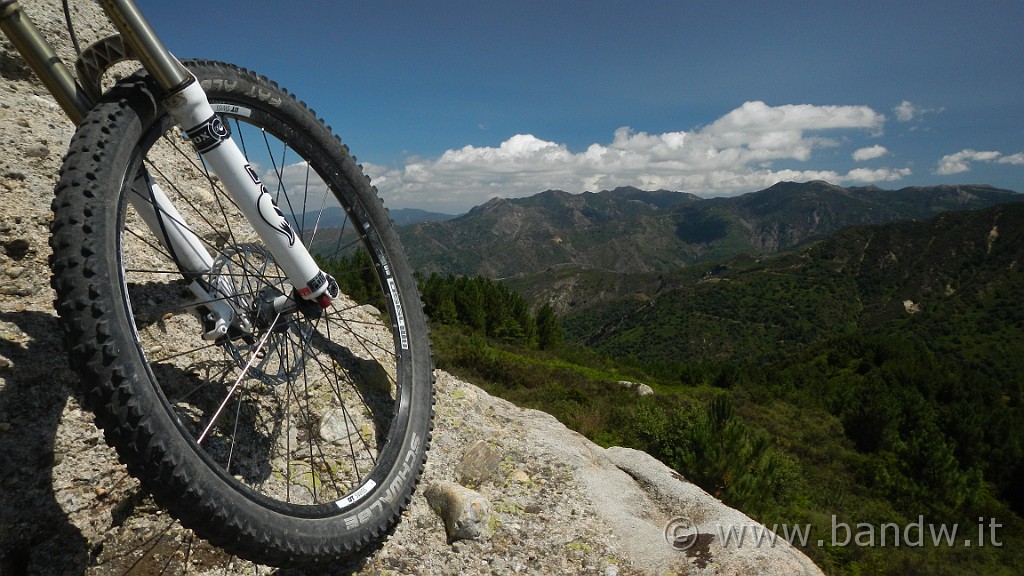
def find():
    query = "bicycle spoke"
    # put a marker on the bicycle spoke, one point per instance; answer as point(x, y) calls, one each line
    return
point(237, 383)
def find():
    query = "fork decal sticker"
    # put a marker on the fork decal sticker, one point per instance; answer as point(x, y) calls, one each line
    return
point(270, 213)
point(209, 134)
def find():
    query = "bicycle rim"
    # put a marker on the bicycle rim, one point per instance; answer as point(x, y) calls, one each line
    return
point(295, 413)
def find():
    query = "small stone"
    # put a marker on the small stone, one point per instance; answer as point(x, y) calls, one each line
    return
point(37, 150)
point(466, 513)
point(639, 388)
point(519, 476)
point(478, 465)
point(17, 290)
point(14, 271)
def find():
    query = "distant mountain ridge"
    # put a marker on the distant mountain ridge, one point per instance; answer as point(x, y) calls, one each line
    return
point(336, 217)
point(956, 265)
point(407, 216)
point(631, 230)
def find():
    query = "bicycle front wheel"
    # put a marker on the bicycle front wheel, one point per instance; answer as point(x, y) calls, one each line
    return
point(295, 439)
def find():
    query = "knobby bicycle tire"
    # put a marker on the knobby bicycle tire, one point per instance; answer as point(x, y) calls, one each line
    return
point(290, 441)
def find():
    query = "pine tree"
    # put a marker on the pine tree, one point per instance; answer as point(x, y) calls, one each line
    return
point(549, 330)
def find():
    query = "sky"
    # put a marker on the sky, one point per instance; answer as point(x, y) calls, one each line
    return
point(448, 104)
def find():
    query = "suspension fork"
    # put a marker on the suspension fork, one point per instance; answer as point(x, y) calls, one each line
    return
point(189, 107)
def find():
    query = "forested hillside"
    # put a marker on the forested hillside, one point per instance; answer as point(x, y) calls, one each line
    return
point(958, 269)
point(873, 377)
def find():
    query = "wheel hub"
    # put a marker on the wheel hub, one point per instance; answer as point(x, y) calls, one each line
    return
point(254, 285)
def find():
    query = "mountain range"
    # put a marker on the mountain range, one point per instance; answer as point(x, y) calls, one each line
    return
point(628, 230)
point(407, 216)
point(954, 278)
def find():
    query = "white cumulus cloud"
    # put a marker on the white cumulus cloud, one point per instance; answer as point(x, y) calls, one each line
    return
point(908, 111)
point(1017, 159)
point(877, 175)
point(961, 161)
point(869, 153)
point(735, 153)
point(905, 112)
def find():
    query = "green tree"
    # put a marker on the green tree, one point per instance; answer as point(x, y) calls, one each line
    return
point(356, 278)
point(549, 330)
point(469, 300)
point(439, 299)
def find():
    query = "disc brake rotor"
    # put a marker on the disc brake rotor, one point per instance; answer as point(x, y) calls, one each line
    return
point(248, 274)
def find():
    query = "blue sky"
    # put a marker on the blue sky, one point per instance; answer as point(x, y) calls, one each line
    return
point(451, 103)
